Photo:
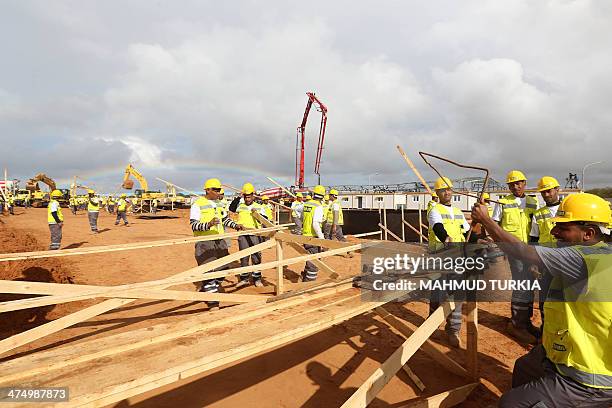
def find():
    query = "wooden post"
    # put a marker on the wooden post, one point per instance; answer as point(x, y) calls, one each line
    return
point(472, 339)
point(420, 223)
point(385, 223)
point(279, 268)
point(403, 228)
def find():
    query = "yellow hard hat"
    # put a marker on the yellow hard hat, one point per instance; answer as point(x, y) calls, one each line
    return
point(247, 188)
point(212, 183)
point(56, 194)
point(486, 196)
point(584, 207)
point(265, 197)
point(433, 194)
point(90, 191)
point(333, 192)
point(308, 197)
point(547, 183)
point(299, 195)
point(123, 195)
point(319, 190)
point(326, 196)
point(515, 175)
point(443, 183)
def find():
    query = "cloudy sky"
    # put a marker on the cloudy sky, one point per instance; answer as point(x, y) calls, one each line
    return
point(187, 90)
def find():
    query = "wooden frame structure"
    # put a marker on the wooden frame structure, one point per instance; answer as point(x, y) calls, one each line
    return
point(246, 329)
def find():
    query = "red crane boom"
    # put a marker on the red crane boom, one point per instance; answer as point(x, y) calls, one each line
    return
point(299, 150)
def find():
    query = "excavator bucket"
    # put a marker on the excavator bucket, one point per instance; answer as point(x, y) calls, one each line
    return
point(128, 184)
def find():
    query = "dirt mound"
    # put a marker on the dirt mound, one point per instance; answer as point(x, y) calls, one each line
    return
point(37, 270)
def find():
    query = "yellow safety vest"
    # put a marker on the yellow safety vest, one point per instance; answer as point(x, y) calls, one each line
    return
point(269, 212)
point(50, 218)
point(577, 333)
point(208, 211)
point(431, 204)
point(515, 220)
point(93, 207)
point(543, 218)
point(490, 210)
point(452, 220)
point(307, 218)
point(121, 207)
point(245, 217)
point(330, 214)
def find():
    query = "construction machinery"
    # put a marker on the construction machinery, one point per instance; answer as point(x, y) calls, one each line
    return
point(40, 198)
point(143, 195)
point(299, 150)
point(22, 196)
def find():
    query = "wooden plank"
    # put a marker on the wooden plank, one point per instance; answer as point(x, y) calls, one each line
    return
point(366, 234)
point(415, 378)
point(403, 229)
point(406, 328)
point(418, 174)
point(20, 256)
point(44, 288)
point(385, 225)
point(54, 326)
point(472, 339)
point(416, 230)
point(445, 399)
point(300, 239)
point(375, 383)
point(389, 232)
point(109, 291)
point(64, 356)
point(420, 226)
point(280, 268)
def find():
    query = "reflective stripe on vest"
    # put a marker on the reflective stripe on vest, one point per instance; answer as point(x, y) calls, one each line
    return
point(208, 211)
point(330, 214)
point(93, 207)
point(543, 216)
point(307, 218)
point(576, 333)
point(515, 220)
point(452, 220)
point(50, 218)
point(245, 217)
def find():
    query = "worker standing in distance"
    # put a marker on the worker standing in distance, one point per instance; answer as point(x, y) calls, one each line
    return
point(541, 229)
point(268, 208)
point(573, 365)
point(297, 208)
point(447, 224)
point(11, 204)
point(434, 200)
point(122, 206)
point(73, 204)
point(245, 206)
point(93, 210)
point(55, 218)
point(110, 205)
point(334, 218)
point(206, 219)
point(312, 220)
point(514, 214)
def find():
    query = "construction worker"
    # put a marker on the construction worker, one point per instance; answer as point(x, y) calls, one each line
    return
point(11, 204)
point(297, 208)
point(206, 218)
point(122, 206)
point(55, 218)
point(110, 205)
point(434, 200)
point(245, 206)
point(269, 208)
point(312, 219)
point(93, 210)
point(72, 201)
point(446, 224)
point(154, 204)
point(334, 218)
point(514, 213)
point(486, 197)
point(573, 365)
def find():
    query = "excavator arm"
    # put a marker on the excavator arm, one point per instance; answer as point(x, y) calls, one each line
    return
point(129, 184)
point(32, 184)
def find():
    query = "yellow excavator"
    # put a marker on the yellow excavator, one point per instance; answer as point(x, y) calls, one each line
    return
point(40, 198)
point(143, 195)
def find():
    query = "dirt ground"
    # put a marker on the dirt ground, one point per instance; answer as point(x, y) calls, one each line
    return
point(321, 370)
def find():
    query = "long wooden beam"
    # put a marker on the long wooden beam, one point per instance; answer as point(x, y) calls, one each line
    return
point(415, 230)
point(375, 383)
point(387, 230)
point(445, 399)
point(44, 288)
point(301, 239)
point(20, 256)
point(66, 321)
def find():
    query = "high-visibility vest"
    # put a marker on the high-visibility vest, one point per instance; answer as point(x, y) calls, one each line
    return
point(307, 218)
point(578, 326)
point(330, 213)
point(515, 220)
point(209, 210)
point(224, 207)
point(50, 218)
point(122, 205)
point(269, 211)
point(245, 216)
point(431, 204)
point(490, 210)
point(93, 207)
point(543, 217)
point(452, 220)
